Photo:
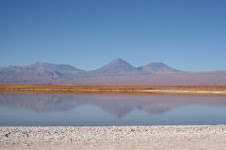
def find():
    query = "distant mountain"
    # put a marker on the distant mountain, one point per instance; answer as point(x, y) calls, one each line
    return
point(116, 67)
point(55, 67)
point(117, 72)
point(157, 67)
point(37, 72)
point(38, 68)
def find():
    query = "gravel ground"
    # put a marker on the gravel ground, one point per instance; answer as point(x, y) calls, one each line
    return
point(207, 137)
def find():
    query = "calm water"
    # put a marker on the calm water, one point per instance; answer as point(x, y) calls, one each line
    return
point(91, 109)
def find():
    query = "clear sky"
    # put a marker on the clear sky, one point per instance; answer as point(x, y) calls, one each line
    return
point(188, 35)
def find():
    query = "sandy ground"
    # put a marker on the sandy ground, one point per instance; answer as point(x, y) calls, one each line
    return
point(114, 89)
point(114, 137)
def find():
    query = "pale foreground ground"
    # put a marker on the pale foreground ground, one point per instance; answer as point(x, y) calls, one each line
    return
point(114, 137)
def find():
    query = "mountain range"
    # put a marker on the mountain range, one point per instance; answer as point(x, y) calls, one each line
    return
point(117, 72)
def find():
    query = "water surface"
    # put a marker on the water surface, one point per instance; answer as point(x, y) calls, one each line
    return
point(99, 110)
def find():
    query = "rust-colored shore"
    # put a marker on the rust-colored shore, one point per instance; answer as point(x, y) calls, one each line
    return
point(107, 89)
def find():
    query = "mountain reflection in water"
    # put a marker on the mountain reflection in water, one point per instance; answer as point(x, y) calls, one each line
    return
point(118, 106)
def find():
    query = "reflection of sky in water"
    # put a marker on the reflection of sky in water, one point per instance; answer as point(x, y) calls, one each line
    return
point(47, 109)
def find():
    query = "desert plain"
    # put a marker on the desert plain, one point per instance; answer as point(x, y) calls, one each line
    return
point(114, 89)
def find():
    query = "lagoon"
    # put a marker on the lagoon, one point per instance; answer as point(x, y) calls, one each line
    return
point(110, 109)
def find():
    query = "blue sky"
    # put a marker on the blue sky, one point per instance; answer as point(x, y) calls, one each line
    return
point(185, 34)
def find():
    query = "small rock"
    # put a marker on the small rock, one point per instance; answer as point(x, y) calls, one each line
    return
point(132, 130)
